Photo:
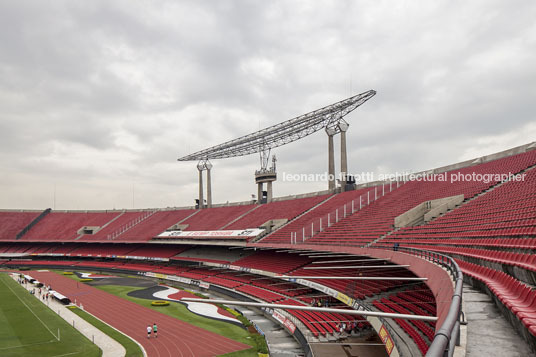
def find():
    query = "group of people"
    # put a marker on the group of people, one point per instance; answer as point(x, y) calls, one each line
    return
point(320, 302)
point(42, 292)
point(153, 329)
point(347, 327)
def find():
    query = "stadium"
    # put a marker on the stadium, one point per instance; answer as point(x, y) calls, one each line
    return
point(356, 266)
point(394, 221)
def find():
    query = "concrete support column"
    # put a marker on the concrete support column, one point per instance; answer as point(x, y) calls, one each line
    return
point(200, 188)
point(259, 192)
point(331, 160)
point(344, 160)
point(343, 127)
point(209, 189)
point(269, 191)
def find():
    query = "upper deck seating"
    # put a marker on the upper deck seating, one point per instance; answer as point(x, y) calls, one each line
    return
point(11, 223)
point(287, 209)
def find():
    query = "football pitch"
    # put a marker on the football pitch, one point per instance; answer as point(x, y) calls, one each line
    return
point(29, 328)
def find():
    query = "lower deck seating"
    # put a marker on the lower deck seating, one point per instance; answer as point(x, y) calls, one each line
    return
point(260, 293)
point(272, 261)
point(406, 326)
point(416, 300)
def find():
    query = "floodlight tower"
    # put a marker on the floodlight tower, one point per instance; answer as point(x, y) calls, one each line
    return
point(338, 126)
point(265, 175)
point(329, 118)
point(203, 165)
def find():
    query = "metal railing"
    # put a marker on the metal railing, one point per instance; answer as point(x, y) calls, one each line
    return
point(125, 227)
point(322, 223)
point(448, 335)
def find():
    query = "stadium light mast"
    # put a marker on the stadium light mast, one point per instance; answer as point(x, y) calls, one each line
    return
point(263, 141)
point(204, 165)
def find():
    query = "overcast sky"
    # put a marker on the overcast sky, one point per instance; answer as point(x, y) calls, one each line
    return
point(98, 99)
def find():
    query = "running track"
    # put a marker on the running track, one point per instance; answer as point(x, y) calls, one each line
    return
point(175, 337)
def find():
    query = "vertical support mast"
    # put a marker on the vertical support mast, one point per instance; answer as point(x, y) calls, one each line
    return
point(331, 159)
point(343, 127)
point(208, 165)
point(203, 165)
point(200, 167)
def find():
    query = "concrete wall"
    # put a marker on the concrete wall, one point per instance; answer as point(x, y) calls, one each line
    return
point(443, 206)
point(427, 210)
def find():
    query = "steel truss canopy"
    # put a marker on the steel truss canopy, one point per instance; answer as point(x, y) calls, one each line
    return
point(285, 132)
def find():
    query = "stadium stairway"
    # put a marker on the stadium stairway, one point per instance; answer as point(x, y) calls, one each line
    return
point(129, 225)
point(106, 225)
point(294, 219)
point(382, 237)
point(14, 224)
point(33, 223)
point(239, 217)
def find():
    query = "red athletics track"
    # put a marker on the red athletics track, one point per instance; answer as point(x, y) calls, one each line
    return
point(175, 337)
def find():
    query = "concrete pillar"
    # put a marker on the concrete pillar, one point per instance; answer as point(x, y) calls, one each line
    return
point(331, 160)
point(269, 191)
point(209, 189)
point(344, 161)
point(343, 127)
point(200, 188)
point(259, 192)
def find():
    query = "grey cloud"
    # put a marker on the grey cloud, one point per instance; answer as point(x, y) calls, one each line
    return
point(129, 86)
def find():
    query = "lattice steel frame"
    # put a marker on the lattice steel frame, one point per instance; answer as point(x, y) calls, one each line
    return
point(285, 132)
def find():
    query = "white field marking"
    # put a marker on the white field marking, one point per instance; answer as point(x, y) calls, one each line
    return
point(28, 345)
point(207, 310)
point(14, 293)
point(67, 354)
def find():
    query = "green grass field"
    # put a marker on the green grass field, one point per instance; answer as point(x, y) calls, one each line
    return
point(180, 312)
point(29, 328)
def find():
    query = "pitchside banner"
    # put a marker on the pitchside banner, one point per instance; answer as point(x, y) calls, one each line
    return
point(204, 285)
point(242, 233)
point(387, 340)
point(286, 322)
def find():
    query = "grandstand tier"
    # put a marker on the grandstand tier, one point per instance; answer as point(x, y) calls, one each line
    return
point(491, 234)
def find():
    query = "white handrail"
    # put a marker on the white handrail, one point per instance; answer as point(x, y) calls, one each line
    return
point(325, 221)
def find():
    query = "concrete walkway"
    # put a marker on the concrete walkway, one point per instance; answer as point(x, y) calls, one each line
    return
point(109, 346)
point(280, 342)
point(489, 334)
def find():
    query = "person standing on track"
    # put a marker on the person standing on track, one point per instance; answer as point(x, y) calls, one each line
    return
point(149, 329)
point(155, 330)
